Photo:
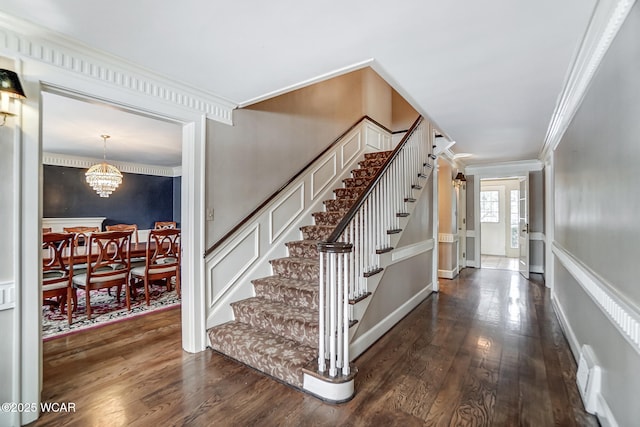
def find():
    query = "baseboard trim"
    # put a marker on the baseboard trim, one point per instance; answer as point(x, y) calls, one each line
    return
point(366, 340)
point(574, 344)
point(448, 274)
point(621, 314)
point(536, 269)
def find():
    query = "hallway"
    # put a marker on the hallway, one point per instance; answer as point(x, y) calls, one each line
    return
point(487, 350)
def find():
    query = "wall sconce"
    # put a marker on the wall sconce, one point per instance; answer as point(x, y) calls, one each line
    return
point(459, 180)
point(10, 87)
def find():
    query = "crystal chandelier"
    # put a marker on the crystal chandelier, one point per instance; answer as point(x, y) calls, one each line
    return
point(103, 177)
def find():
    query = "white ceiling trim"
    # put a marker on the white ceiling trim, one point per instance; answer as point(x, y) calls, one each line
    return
point(309, 82)
point(504, 169)
point(27, 40)
point(605, 23)
point(69, 161)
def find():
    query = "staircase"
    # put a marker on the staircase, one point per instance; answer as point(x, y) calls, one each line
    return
point(276, 332)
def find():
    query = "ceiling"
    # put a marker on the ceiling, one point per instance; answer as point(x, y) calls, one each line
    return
point(487, 73)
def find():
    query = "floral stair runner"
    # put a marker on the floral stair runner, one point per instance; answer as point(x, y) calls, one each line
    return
point(276, 331)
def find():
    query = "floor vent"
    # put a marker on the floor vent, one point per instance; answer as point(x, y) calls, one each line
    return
point(589, 379)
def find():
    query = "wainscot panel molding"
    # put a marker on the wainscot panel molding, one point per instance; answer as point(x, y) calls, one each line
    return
point(70, 161)
point(625, 317)
point(605, 23)
point(27, 40)
point(7, 295)
point(471, 233)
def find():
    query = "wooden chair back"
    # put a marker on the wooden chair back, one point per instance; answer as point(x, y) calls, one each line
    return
point(46, 230)
point(161, 225)
point(125, 227)
point(57, 274)
point(162, 261)
point(81, 234)
point(108, 258)
point(108, 265)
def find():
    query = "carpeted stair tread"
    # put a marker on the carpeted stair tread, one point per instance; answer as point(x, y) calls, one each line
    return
point(316, 232)
point(303, 248)
point(295, 323)
point(367, 172)
point(327, 218)
point(270, 353)
point(300, 293)
point(356, 182)
point(377, 155)
point(377, 162)
point(296, 268)
point(340, 205)
point(349, 193)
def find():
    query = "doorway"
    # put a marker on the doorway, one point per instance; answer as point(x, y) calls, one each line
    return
point(499, 218)
point(148, 152)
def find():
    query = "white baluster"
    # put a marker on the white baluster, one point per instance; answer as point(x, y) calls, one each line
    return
point(321, 315)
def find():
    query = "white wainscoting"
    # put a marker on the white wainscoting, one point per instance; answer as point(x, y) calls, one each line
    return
point(58, 224)
point(245, 256)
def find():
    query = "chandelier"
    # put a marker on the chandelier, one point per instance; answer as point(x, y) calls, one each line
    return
point(103, 177)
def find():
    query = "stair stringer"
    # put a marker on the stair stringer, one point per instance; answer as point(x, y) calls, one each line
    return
point(359, 309)
point(245, 256)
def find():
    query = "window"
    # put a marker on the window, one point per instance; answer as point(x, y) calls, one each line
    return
point(489, 206)
point(515, 217)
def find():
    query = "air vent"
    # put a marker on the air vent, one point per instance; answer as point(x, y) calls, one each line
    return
point(589, 379)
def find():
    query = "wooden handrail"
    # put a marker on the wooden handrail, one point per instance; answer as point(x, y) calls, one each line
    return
point(292, 179)
point(346, 219)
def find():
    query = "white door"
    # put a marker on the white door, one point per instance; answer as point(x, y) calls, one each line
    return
point(523, 237)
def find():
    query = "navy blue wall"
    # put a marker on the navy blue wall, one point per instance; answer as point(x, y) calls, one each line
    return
point(140, 199)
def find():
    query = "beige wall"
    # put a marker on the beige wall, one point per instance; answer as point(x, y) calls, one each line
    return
point(403, 114)
point(376, 97)
point(447, 220)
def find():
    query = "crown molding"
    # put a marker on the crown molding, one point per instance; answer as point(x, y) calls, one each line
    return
point(504, 169)
point(69, 161)
point(606, 21)
point(32, 42)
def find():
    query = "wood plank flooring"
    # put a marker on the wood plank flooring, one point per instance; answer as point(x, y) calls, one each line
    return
point(487, 350)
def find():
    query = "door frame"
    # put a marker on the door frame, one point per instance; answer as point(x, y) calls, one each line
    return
point(503, 170)
point(28, 187)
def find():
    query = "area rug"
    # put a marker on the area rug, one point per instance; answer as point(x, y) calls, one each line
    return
point(105, 309)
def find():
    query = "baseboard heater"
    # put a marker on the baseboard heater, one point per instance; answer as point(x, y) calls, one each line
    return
point(589, 379)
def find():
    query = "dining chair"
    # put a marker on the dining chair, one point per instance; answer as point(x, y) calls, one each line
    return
point(162, 261)
point(81, 234)
point(125, 227)
point(57, 275)
point(161, 225)
point(108, 265)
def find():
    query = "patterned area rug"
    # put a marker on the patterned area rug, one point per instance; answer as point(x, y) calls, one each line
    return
point(105, 310)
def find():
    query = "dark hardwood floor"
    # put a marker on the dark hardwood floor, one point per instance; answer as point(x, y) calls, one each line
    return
point(487, 350)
